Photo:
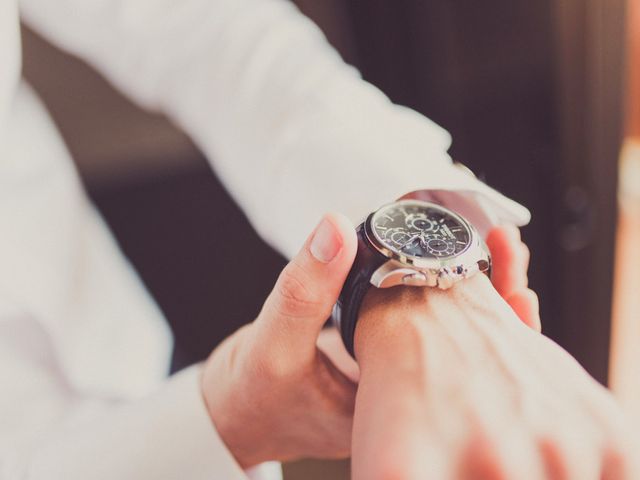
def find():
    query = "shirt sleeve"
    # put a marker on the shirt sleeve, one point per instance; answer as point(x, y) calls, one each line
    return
point(291, 130)
point(50, 431)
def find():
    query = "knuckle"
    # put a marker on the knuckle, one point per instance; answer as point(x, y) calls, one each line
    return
point(295, 295)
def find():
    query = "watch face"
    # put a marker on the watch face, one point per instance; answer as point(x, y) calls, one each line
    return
point(417, 230)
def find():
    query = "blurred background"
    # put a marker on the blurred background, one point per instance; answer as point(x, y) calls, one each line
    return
point(540, 98)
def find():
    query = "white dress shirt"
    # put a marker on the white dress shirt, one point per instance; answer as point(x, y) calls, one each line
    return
point(291, 130)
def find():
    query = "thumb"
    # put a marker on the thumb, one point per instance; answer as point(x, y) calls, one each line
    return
point(309, 285)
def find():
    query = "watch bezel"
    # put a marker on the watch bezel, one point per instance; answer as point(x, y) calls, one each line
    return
point(441, 272)
point(419, 262)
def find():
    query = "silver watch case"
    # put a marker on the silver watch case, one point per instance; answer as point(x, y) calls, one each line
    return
point(429, 272)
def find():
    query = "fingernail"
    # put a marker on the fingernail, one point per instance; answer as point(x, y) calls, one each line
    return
point(326, 242)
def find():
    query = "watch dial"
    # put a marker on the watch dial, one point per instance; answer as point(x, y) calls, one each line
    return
point(419, 230)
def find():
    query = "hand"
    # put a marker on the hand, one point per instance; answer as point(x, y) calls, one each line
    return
point(510, 256)
point(271, 393)
point(453, 386)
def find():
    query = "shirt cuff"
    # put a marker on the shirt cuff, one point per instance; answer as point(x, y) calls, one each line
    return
point(205, 454)
point(483, 206)
point(499, 208)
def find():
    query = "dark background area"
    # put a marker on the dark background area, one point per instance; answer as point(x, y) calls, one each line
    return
point(529, 90)
point(497, 103)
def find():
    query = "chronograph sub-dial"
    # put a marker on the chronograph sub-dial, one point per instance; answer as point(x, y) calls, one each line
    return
point(399, 237)
point(420, 221)
point(420, 231)
point(438, 245)
point(420, 244)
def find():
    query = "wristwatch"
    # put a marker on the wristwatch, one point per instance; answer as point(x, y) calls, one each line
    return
point(412, 243)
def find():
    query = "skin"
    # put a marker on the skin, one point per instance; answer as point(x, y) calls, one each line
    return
point(475, 394)
point(270, 391)
point(283, 388)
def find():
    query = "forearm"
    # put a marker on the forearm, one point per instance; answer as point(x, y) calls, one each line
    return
point(402, 322)
point(453, 385)
point(257, 86)
point(270, 102)
point(414, 347)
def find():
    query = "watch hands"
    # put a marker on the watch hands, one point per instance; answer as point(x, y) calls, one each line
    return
point(411, 240)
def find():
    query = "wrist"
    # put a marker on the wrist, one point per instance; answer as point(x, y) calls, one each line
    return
point(396, 324)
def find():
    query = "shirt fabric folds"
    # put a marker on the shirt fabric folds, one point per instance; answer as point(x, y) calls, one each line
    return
point(292, 132)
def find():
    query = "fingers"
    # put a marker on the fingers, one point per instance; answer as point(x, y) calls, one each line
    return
point(309, 285)
point(525, 304)
point(571, 455)
point(619, 465)
point(510, 259)
point(480, 461)
point(509, 276)
point(331, 344)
